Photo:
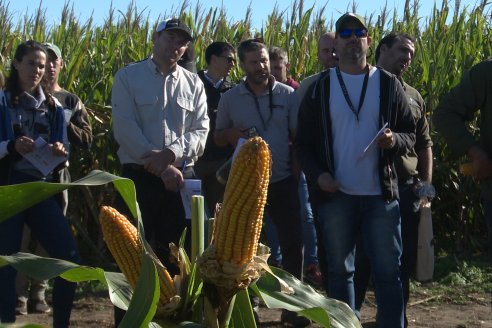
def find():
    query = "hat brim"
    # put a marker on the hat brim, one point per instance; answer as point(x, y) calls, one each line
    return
point(183, 30)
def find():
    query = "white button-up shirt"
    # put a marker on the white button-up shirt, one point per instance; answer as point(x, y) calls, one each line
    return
point(152, 111)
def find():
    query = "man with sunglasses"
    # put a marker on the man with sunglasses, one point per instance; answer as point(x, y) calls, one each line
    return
point(394, 53)
point(352, 124)
point(270, 108)
point(220, 58)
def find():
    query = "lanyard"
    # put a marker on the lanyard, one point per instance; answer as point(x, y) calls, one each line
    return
point(257, 104)
point(346, 95)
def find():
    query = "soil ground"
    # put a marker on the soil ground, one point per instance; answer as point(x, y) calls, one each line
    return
point(436, 311)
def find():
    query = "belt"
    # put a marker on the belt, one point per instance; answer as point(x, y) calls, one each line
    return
point(138, 167)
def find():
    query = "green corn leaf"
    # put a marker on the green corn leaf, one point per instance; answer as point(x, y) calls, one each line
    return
point(305, 301)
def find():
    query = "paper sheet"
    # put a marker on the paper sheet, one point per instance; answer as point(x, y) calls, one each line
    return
point(380, 132)
point(42, 157)
point(191, 187)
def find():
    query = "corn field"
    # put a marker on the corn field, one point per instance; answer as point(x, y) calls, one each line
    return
point(448, 43)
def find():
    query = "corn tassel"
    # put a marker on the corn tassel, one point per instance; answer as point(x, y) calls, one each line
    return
point(240, 218)
point(121, 237)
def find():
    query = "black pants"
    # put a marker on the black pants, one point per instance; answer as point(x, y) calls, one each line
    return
point(162, 213)
point(283, 208)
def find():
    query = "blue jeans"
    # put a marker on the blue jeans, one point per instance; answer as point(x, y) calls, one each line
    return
point(308, 229)
point(272, 241)
point(50, 227)
point(487, 205)
point(342, 218)
point(409, 233)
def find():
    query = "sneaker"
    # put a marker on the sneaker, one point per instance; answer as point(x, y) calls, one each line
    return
point(40, 307)
point(313, 276)
point(21, 307)
point(292, 319)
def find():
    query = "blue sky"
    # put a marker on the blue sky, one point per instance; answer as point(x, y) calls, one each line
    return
point(235, 9)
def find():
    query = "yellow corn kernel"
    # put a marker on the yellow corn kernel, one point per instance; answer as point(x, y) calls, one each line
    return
point(466, 169)
point(239, 221)
point(121, 237)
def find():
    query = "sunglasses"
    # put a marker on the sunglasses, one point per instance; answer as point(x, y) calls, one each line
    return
point(230, 60)
point(348, 32)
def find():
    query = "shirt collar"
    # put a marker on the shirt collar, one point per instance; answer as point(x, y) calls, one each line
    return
point(271, 78)
point(217, 84)
point(153, 67)
point(29, 101)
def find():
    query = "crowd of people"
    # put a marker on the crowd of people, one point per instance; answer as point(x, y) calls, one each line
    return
point(350, 145)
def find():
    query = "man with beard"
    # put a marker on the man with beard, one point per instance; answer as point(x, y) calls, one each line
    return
point(221, 58)
point(261, 103)
point(394, 53)
point(349, 132)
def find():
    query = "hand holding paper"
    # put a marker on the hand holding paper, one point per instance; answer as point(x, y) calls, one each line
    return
point(376, 138)
point(45, 157)
point(385, 139)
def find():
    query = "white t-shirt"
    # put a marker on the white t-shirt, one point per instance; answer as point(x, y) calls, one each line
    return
point(356, 172)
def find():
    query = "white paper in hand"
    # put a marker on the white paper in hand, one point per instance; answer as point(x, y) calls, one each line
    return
point(191, 188)
point(42, 157)
point(380, 132)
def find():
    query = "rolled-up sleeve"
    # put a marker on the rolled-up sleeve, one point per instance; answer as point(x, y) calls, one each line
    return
point(460, 106)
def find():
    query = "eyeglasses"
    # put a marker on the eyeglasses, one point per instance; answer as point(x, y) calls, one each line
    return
point(230, 60)
point(348, 32)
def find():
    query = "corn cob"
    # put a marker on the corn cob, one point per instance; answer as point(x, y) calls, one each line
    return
point(466, 169)
point(240, 218)
point(121, 237)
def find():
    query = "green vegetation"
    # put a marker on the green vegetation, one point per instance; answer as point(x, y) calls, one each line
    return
point(456, 281)
point(448, 43)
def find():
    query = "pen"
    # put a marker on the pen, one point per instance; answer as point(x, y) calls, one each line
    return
point(183, 165)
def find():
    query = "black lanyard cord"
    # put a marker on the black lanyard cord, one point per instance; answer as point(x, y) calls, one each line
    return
point(257, 104)
point(346, 95)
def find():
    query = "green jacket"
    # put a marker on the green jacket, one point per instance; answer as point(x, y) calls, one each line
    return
point(473, 93)
point(406, 165)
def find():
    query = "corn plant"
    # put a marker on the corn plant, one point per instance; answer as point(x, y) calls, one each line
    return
point(448, 42)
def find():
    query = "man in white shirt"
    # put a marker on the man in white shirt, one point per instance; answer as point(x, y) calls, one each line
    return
point(161, 124)
point(353, 124)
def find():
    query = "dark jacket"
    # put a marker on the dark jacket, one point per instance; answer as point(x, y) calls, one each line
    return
point(472, 94)
point(212, 151)
point(314, 142)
